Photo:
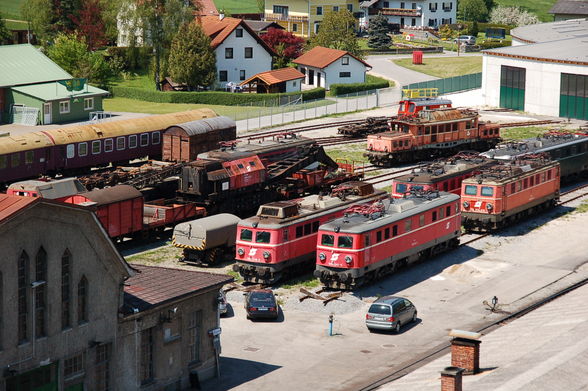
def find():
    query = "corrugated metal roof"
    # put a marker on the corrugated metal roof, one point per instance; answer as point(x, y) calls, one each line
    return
point(24, 64)
point(9, 204)
point(564, 50)
point(321, 57)
point(112, 194)
point(545, 32)
point(570, 7)
point(55, 91)
point(202, 126)
point(157, 285)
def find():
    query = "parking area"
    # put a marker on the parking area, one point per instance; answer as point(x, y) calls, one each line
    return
point(296, 352)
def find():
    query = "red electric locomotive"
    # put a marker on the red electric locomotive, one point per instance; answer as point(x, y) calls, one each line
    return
point(443, 175)
point(281, 238)
point(507, 192)
point(370, 243)
point(430, 133)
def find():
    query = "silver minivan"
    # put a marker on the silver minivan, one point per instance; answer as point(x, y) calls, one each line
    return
point(390, 313)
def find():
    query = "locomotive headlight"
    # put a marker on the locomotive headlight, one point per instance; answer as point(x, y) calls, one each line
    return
point(466, 204)
point(241, 252)
point(489, 206)
point(266, 254)
point(348, 260)
point(322, 257)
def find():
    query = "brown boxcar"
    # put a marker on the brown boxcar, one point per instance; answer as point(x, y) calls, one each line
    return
point(119, 208)
point(183, 142)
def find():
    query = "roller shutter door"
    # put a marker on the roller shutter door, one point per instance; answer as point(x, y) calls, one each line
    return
point(573, 98)
point(512, 87)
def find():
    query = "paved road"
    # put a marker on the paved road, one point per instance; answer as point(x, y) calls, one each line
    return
point(295, 353)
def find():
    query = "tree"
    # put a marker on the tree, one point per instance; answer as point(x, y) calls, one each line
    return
point(64, 12)
point(286, 45)
point(90, 25)
point(512, 16)
point(470, 10)
point(378, 33)
point(191, 59)
point(159, 21)
point(490, 4)
point(337, 31)
point(71, 52)
point(5, 35)
point(38, 13)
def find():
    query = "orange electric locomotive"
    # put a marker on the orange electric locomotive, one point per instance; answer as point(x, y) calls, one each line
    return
point(507, 192)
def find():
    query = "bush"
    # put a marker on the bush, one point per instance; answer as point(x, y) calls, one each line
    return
point(133, 58)
point(372, 83)
point(209, 97)
point(491, 44)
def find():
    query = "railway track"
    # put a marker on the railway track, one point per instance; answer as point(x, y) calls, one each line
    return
point(299, 129)
point(528, 123)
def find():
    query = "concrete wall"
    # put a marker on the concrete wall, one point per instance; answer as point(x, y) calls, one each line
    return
point(56, 229)
point(542, 83)
point(260, 62)
point(171, 355)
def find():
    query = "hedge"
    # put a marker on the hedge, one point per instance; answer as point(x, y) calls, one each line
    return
point(491, 44)
point(372, 83)
point(210, 97)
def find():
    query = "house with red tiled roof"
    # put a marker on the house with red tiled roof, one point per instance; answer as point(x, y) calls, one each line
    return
point(84, 319)
point(324, 66)
point(240, 52)
point(275, 81)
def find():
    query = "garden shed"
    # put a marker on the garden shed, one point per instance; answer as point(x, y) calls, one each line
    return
point(275, 81)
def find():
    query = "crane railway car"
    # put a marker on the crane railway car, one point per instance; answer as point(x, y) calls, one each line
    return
point(508, 192)
point(281, 239)
point(379, 239)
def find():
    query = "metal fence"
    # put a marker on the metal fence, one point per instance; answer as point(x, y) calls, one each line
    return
point(451, 84)
point(253, 116)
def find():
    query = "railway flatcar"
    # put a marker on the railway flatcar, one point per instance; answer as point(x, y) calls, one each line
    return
point(507, 192)
point(281, 239)
point(74, 149)
point(207, 240)
point(443, 175)
point(376, 240)
point(569, 149)
point(429, 134)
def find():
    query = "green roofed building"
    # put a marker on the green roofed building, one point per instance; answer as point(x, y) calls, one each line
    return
point(34, 90)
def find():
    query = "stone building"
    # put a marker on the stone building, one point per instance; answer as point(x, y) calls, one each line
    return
point(75, 316)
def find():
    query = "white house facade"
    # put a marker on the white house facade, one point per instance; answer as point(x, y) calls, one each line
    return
point(240, 53)
point(419, 13)
point(323, 67)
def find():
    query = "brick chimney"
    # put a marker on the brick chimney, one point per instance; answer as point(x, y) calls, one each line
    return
point(451, 379)
point(465, 351)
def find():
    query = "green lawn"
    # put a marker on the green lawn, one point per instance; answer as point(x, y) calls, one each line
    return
point(138, 80)
point(538, 7)
point(444, 67)
point(237, 6)
point(10, 9)
point(522, 132)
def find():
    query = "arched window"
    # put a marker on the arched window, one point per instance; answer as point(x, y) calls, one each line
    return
point(23, 282)
point(40, 292)
point(66, 290)
point(83, 300)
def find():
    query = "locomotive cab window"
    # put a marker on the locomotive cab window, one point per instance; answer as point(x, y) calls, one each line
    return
point(246, 235)
point(434, 217)
point(108, 145)
point(285, 235)
point(262, 237)
point(407, 225)
point(448, 211)
point(487, 191)
point(144, 139)
point(155, 138)
point(307, 229)
point(471, 190)
point(327, 240)
point(401, 188)
point(421, 220)
point(96, 145)
point(299, 231)
point(345, 242)
point(133, 141)
point(378, 236)
point(315, 226)
point(387, 233)
point(120, 143)
point(394, 230)
point(82, 149)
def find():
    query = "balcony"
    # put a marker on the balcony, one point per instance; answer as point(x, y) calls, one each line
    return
point(395, 11)
point(286, 18)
